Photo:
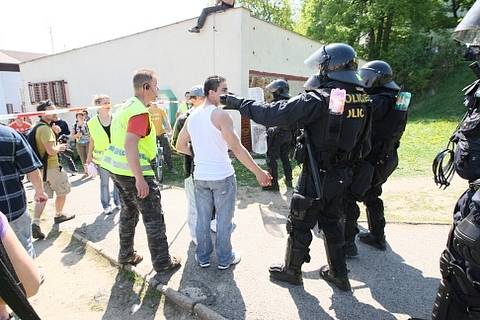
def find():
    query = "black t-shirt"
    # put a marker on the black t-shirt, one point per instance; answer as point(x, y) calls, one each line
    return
point(107, 131)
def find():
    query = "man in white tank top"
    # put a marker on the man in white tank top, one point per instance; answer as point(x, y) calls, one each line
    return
point(210, 131)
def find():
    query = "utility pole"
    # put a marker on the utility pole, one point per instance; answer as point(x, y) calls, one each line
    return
point(51, 39)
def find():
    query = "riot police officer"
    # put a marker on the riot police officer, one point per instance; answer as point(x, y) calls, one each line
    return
point(388, 125)
point(335, 121)
point(458, 295)
point(279, 139)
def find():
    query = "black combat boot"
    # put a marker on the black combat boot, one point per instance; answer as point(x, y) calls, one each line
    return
point(336, 270)
point(282, 273)
point(374, 241)
point(291, 270)
point(350, 249)
point(341, 282)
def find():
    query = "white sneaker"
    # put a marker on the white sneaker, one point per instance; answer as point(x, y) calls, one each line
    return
point(213, 225)
point(107, 211)
point(202, 265)
point(235, 259)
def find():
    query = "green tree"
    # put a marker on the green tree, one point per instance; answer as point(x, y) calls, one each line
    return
point(278, 12)
point(402, 32)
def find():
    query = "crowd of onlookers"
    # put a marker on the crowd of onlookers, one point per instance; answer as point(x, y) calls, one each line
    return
point(41, 150)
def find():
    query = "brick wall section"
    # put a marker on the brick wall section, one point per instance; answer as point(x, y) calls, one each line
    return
point(245, 134)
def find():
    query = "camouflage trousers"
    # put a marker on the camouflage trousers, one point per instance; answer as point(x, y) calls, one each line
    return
point(152, 215)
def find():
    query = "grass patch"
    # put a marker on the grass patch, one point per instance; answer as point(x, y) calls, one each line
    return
point(433, 118)
point(421, 142)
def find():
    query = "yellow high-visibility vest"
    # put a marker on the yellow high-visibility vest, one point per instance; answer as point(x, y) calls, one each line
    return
point(100, 138)
point(114, 159)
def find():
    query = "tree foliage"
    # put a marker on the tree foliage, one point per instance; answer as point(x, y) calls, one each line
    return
point(410, 35)
point(278, 12)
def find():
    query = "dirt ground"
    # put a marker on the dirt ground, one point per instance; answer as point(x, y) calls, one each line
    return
point(79, 284)
point(78, 292)
point(406, 199)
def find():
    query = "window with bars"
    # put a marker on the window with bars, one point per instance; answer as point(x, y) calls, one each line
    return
point(56, 91)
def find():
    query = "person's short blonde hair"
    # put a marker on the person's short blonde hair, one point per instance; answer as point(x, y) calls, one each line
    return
point(100, 98)
point(142, 77)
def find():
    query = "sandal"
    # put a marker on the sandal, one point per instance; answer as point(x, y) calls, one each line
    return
point(175, 263)
point(133, 259)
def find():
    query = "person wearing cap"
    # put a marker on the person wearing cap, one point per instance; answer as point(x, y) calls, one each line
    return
point(55, 180)
point(196, 99)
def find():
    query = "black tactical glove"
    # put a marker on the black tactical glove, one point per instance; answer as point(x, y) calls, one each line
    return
point(230, 102)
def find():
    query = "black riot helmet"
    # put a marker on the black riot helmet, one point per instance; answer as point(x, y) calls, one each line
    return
point(377, 74)
point(336, 61)
point(279, 88)
point(468, 30)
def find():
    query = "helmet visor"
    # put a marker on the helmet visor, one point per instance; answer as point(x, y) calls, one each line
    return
point(317, 59)
point(468, 30)
point(272, 87)
point(369, 76)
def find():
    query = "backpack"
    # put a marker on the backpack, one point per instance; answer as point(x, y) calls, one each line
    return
point(33, 143)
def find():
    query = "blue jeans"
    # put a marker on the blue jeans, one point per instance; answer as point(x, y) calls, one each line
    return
point(22, 227)
point(191, 207)
point(105, 189)
point(220, 194)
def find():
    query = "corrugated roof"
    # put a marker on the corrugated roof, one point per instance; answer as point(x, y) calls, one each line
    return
point(16, 57)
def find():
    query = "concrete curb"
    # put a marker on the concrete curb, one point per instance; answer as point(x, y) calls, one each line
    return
point(182, 301)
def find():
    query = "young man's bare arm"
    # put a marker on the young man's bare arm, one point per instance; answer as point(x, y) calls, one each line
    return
point(183, 141)
point(224, 123)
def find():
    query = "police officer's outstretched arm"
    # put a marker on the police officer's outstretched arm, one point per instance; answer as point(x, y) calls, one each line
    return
point(224, 123)
point(301, 109)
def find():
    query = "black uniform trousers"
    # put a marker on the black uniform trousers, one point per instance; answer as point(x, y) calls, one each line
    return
point(209, 10)
point(371, 198)
point(329, 216)
point(279, 143)
point(152, 215)
point(451, 301)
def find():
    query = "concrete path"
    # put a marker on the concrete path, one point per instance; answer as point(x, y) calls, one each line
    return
point(394, 285)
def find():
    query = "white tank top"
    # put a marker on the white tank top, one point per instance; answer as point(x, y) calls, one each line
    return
point(210, 149)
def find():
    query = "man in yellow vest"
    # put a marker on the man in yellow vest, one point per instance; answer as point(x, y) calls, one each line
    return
point(100, 133)
point(128, 158)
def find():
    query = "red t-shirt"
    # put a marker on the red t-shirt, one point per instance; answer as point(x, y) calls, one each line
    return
point(22, 128)
point(139, 125)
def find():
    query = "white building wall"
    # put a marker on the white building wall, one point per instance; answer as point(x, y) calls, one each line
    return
point(181, 59)
point(273, 49)
point(231, 44)
point(10, 91)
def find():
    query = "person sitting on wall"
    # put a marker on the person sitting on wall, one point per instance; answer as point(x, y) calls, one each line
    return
point(221, 5)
